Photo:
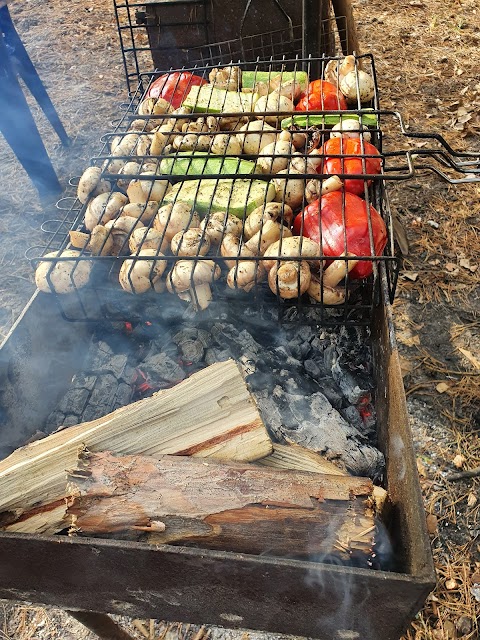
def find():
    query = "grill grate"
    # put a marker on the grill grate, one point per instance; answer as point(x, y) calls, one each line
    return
point(209, 190)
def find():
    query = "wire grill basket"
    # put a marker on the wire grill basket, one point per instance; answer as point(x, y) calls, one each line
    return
point(157, 161)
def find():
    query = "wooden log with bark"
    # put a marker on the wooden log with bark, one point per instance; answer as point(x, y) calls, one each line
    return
point(211, 414)
point(233, 507)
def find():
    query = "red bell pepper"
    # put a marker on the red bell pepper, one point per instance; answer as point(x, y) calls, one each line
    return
point(327, 214)
point(351, 162)
point(321, 96)
point(174, 87)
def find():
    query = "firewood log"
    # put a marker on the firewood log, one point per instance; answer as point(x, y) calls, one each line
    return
point(211, 414)
point(231, 507)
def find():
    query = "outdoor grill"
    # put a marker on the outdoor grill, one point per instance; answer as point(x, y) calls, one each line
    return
point(48, 346)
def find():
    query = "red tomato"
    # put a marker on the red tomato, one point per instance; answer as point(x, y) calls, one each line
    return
point(352, 163)
point(321, 96)
point(174, 87)
point(327, 213)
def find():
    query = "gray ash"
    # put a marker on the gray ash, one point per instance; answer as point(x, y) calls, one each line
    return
point(313, 386)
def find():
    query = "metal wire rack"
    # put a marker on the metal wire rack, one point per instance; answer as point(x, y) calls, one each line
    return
point(180, 170)
point(163, 34)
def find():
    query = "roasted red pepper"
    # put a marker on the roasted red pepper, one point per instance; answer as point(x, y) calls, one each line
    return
point(351, 162)
point(174, 87)
point(327, 214)
point(321, 96)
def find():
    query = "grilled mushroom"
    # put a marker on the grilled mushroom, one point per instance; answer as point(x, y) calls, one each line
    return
point(100, 242)
point(294, 247)
point(145, 238)
point(290, 190)
point(172, 218)
point(194, 278)
point(192, 242)
point(103, 208)
point(337, 270)
point(91, 184)
point(289, 279)
point(275, 211)
point(327, 295)
point(255, 135)
point(274, 157)
point(268, 233)
point(218, 224)
point(246, 274)
point(139, 276)
point(232, 247)
point(63, 276)
point(121, 229)
point(143, 211)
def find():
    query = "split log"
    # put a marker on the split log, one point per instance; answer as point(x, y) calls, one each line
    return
point(230, 507)
point(211, 414)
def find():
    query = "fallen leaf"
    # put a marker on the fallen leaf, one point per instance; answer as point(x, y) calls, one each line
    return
point(410, 275)
point(432, 524)
point(459, 461)
point(451, 584)
point(475, 578)
point(450, 266)
point(442, 387)
point(470, 357)
point(421, 468)
point(406, 366)
point(472, 500)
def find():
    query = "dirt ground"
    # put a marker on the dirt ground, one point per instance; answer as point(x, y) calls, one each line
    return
point(427, 56)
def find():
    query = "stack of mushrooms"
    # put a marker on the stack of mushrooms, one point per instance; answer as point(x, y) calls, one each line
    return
point(238, 231)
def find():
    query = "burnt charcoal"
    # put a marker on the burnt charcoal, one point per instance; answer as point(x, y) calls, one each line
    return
point(352, 387)
point(128, 375)
point(116, 365)
point(104, 391)
point(124, 395)
point(54, 420)
point(161, 367)
point(84, 381)
point(314, 368)
point(187, 333)
point(300, 351)
point(70, 420)
point(100, 355)
point(306, 333)
point(330, 356)
point(93, 412)
point(192, 350)
point(74, 401)
point(331, 391)
point(261, 381)
point(205, 338)
point(215, 354)
point(352, 415)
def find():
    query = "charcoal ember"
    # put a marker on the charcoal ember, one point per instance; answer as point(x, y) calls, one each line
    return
point(314, 368)
point(215, 354)
point(99, 355)
point(83, 381)
point(161, 367)
point(128, 375)
point(93, 412)
point(124, 395)
point(205, 338)
point(192, 350)
point(187, 333)
point(353, 416)
point(312, 422)
point(71, 420)
point(117, 364)
point(352, 387)
point(104, 392)
point(74, 401)
point(54, 420)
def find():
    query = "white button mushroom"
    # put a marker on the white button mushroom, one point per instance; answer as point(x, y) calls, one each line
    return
point(218, 224)
point(366, 86)
point(245, 275)
point(145, 238)
point(172, 218)
point(273, 103)
point(275, 211)
point(139, 276)
point(289, 279)
point(194, 277)
point(290, 190)
point(104, 208)
point(350, 128)
point(192, 242)
point(294, 247)
point(63, 276)
point(275, 157)
point(91, 184)
point(255, 135)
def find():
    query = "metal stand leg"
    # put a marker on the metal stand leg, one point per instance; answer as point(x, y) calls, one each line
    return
point(346, 26)
point(25, 68)
point(101, 624)
point(20, 130)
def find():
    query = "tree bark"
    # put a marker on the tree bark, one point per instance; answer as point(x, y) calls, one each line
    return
point(211, 414)
point(229, 507)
